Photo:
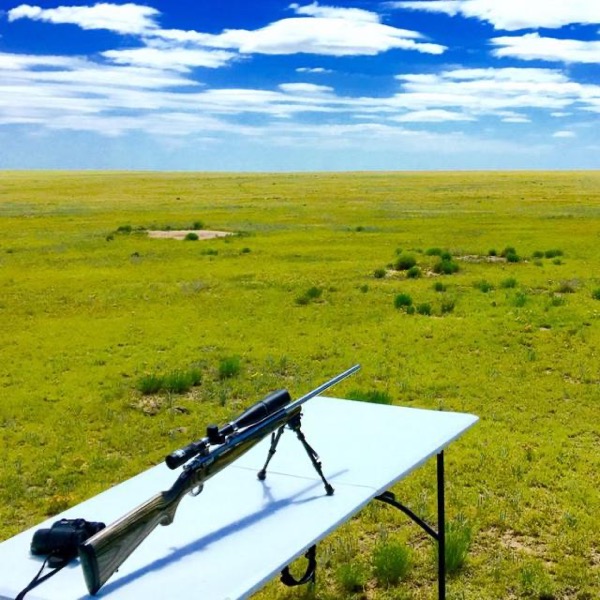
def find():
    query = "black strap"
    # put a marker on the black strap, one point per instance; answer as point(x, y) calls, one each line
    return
point(50, 560)
point(288, 579)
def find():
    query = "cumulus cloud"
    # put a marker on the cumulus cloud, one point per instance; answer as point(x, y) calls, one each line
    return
point(178, 59)
point(120, 18)
point(564, 134)
point(330, 12)
point(532, 46)
point(512, 15)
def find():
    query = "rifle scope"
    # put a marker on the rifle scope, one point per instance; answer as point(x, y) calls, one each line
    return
point(216, 435)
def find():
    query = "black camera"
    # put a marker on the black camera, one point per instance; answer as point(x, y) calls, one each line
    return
point(64, 537)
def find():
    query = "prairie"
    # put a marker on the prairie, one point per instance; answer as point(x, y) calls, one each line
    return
point(91, 307)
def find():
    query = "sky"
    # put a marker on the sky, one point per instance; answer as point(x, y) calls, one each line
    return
point(269, 85)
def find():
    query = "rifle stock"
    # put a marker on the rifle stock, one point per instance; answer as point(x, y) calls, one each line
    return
point(102, 555)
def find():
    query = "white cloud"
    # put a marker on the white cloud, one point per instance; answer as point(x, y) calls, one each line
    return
point(313, 70)
point(305, 88)
point(321, 35)
point(178, 59)
point(330, 12)
point(516, 119)
point(433, 116)
point(512, 15)
point(121, 18)
point(564, 134)
point(533, 47)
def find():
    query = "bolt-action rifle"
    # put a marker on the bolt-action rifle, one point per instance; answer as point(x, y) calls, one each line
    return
point(102, 554)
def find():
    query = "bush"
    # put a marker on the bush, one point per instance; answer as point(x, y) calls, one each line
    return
point(446, 267)
point(438, 286)
point(492, 252)
point(351, 577)
point(404, 262)
point(373, 396)
point(433, 252)
point(391, 562)
point(229, 367)
point(508, 250)
point(424, 309)
point(413, 273)
point(596, 294)
point(124, 229)
point(446, 255)
point(511, 282)
point(538, 254)
point(314, 292)
point(379, 273)
point(513, 258)
point(553, 253)
point(403, 301)
point(191, 237)
point(198, 225)
point(484, 286)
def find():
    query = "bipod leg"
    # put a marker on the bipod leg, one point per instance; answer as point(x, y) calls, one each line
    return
point(294, 425)
point(272, 449)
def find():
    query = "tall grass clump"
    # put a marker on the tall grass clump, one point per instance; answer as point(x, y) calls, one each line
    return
point(149, 384)
point(351, 577)
point(553, 253)
point(373, 396)
point(379, 273)
point(508, 283)
point(483, 286)
point(413, 272)
point(179, 382)
point(459, 535)
point(510, 254)
point(596, 294)
point(229, 367)
point(392, 562)
point(433, 252)
point(312, 293)
point(438, 286)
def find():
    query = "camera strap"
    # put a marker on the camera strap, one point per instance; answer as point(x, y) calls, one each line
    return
point(50, 560)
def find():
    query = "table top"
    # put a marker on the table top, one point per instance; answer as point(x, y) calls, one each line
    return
point(239, 533)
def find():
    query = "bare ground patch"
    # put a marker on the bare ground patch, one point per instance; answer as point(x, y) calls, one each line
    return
point(179, 234)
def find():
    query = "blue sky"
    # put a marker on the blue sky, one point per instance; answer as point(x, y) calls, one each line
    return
point(235, 85)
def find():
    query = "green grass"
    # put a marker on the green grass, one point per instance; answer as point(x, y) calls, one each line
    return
point(87, 316)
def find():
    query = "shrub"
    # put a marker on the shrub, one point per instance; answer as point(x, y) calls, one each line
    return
point(520, 299)
point(557, 261)
point(484, 286)
point(124, 229)
point(566, 287)
point(404, 262)
point(373, 396)
point(508, 250)
point(191, 237)
point(458, 541)
point(403, 301)
point(447, 306)
point(513, 258)
point(229, 367)
point(446, 255)
point(511, 282)
point(391, 562)
point(596, 294)
point(424, 309)
point(413, 273)
point(433, 252)
point(492, 252)
point(438, 286)
point(198, 225)
point(302, 300)
point(538, 254)
point(379, 273)
point(149, 384)
point(245, 250)
point(553, 253)
point(351, 577)
point(364, 288)
point(446, 267)
point(314, 292)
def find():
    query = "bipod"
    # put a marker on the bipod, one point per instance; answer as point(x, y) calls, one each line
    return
point(295, 425)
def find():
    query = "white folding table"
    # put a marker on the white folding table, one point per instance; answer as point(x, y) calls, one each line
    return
point(239, 533)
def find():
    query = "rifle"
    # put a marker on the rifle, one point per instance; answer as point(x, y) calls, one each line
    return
point(103, 553)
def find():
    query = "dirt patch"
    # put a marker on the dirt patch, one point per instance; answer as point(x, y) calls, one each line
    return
point(179, 234)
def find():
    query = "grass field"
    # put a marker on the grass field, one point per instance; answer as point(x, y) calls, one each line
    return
point(92, 308)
